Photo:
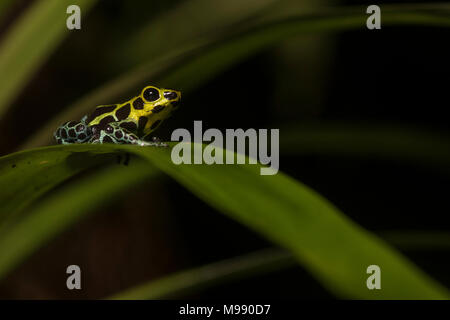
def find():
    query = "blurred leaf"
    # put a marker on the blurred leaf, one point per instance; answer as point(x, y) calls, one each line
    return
point(169, 32)
point(256, 263)
point(417, 239)
point(190, 67)
point(174, 285)
point(330, 246)
point(5, 6)
point(389, 142)
point(25, 176)
point(30, 42)
point(63, 208)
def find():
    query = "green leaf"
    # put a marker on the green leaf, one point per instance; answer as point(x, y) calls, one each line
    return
point(397, 143)
point(332, 248)
point(192, 65)
point(54, 214)
point(167, 29)
point(384, 142)
point(5, 7)
point(25, 176)
point(418, 239)
point(30, 42)
point(175, 285)
point(255, 264)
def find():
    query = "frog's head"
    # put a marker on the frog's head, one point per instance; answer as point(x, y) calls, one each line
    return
point(159, 99)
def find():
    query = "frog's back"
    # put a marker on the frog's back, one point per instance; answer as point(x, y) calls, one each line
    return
point(141, 114)
point(108, 113)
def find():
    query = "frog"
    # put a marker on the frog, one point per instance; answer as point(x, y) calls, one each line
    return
point(129, 122)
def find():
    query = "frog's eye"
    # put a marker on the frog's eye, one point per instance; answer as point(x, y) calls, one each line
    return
point(151, 94)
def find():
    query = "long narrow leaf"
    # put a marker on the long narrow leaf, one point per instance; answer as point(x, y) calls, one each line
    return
point(82, 203)
point(396, 143)
point(330, 246)
point(167, 29)
point(25, 176)
point(253, 264)
point(256, 263)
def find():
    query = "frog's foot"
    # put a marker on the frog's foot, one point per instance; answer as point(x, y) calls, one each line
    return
point(114, 133)
point(155, 141)
point(152, 143)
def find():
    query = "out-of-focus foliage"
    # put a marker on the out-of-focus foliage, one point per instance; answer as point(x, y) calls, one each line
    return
point(30, 42)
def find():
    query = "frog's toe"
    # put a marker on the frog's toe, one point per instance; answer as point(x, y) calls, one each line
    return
point(143, 143)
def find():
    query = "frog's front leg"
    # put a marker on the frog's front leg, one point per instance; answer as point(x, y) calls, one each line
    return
point(115, 133)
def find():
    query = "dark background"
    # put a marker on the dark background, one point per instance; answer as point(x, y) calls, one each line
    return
point(397, 76)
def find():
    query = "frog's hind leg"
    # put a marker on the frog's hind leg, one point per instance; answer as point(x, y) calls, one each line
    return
point(73, 132)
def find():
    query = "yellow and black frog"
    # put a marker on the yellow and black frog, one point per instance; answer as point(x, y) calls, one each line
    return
point(125, 123)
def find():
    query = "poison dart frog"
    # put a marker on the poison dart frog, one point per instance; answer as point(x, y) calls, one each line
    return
point(125, 123)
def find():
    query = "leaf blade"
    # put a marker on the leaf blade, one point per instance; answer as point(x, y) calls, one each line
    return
point(251, 264)
point(284, 211)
